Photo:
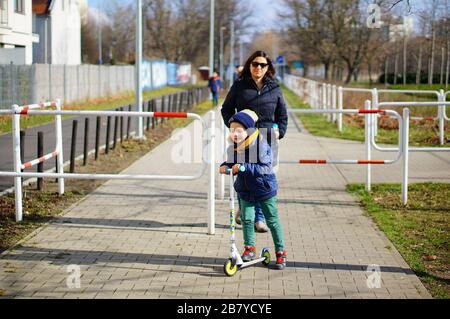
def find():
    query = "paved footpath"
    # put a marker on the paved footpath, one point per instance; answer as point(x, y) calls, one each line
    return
point(147, 239)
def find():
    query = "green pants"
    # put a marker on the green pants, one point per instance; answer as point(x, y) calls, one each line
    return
point(269, 208)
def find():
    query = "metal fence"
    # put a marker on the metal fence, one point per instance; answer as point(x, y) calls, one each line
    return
point(23, 84)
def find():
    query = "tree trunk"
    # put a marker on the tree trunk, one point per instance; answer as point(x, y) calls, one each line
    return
point(441, 76)
point(356, 74)
point(448, 64)
point(405, 45)
point(350, 71)
point(395, 68)
point(433, 49)
point(369, 70)
point(386, 71)
point(419, 65)
point(327, 70)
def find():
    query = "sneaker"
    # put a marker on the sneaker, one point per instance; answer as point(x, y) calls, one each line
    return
point(281, 260)
point(249, 253)
point(237, 217)
point(261, 227)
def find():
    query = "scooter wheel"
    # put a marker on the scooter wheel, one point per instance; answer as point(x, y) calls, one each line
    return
point(266, 255)
point(229, 268)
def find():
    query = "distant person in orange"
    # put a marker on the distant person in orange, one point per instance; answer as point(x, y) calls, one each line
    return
point(215, 86)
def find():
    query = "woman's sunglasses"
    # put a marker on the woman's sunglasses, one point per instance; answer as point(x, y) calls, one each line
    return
point(262, 65)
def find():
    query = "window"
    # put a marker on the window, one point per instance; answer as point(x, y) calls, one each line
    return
point(19, 6)
point(3, 12)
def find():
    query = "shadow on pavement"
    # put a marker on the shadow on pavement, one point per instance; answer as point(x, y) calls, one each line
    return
point(83, 257)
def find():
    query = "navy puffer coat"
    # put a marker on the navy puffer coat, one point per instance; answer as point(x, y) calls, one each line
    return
point(268, 103)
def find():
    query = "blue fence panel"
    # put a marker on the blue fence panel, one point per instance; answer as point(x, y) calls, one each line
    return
point(159, 73)
point(172, 74)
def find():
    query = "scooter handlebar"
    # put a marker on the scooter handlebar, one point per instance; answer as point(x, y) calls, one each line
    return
point(241, 169)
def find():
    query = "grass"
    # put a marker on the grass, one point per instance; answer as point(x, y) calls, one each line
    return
point(92, 105)
point(420, 231)
point(40, 207)
point(422, 133)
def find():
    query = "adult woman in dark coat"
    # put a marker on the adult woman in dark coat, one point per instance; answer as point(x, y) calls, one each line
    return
point(257, 90)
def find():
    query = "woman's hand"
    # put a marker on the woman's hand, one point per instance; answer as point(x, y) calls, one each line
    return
point(277, 134)
point(223, 169)
point(236, 168)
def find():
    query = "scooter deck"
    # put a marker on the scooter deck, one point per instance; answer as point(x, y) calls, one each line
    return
point(252, 262)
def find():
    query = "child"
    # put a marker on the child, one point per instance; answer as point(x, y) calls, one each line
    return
point(215, 85)
point(256, 184)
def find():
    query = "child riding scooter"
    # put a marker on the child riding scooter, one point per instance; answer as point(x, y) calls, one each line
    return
point(255, 182)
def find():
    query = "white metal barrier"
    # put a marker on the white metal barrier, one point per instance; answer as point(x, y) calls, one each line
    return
point(328, 101)
point(411, 149)
point(208, 157)
point(403, 149)
point(16, 112)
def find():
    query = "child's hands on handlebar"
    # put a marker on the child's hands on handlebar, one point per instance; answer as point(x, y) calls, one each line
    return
point(236, 168)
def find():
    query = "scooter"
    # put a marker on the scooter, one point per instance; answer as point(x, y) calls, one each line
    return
point(235, 262)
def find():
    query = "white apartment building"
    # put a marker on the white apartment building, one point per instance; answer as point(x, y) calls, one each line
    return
point(16, 32)
point(58, 23)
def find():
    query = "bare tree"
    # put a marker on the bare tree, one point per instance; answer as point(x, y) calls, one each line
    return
point(305, 19)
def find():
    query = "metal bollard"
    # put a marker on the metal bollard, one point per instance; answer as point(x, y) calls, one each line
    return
point(73, 146)
point(40, 153)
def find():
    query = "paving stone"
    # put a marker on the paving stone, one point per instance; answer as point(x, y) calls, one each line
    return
point(147, 239)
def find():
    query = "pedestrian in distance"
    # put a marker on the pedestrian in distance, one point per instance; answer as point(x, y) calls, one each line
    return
point(257, 90)
point(238, 71)
point(215, 86)
point(255, 184)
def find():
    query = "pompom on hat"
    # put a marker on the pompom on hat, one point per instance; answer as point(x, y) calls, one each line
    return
point(247, 118)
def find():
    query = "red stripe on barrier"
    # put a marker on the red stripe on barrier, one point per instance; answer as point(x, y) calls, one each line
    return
point(170, 114)
point(312, 161)
point(27, 165)
point(429, 118)
point(371, 162)
point(24, 110)
point(372, 111)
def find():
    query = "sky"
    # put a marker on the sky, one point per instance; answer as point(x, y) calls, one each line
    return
point(265, 11)
point(264, 8)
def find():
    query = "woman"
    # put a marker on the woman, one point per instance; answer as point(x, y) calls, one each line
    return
point(257, 90)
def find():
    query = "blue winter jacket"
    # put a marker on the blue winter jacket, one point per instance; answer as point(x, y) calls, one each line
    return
point(258, 181)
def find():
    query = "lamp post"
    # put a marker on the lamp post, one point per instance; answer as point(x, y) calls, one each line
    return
point(211, 39)
point(241, 51)
point(231, 68)
point(138, 69)
point(222, 29)
point(100, 60)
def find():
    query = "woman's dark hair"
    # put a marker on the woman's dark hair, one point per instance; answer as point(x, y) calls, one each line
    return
point(246, 73)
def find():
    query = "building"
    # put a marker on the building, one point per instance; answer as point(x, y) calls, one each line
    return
point(58, 23)
point(16, 32)
point(399, 31)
